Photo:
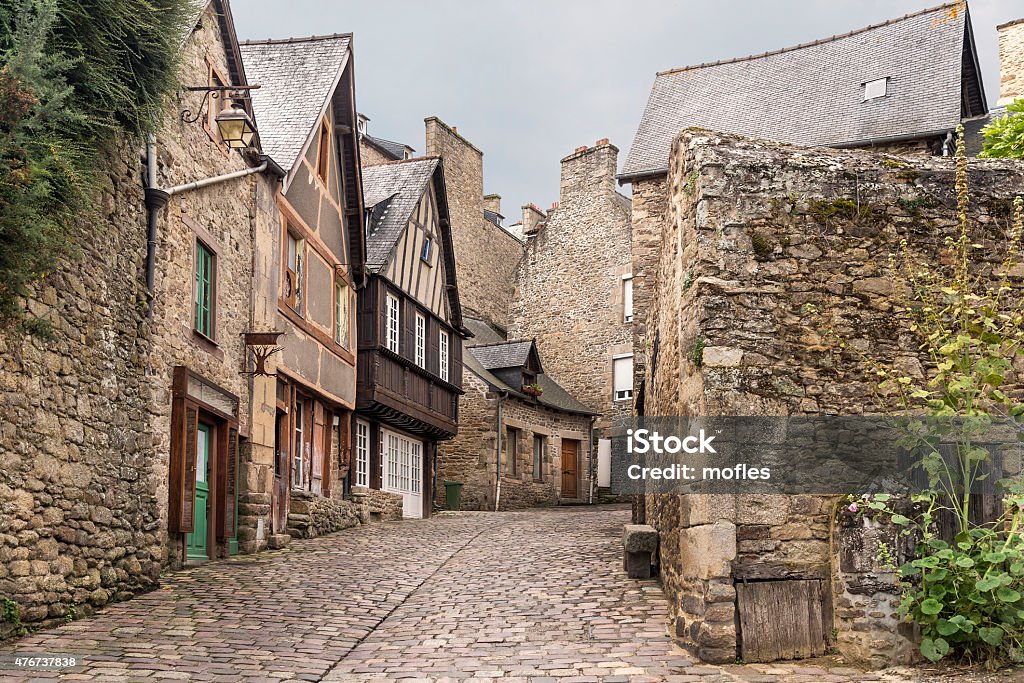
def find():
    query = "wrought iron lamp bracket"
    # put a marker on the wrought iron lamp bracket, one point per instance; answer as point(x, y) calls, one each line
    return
point(233, 92)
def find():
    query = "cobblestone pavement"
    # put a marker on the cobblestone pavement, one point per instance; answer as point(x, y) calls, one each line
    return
point(533, 596)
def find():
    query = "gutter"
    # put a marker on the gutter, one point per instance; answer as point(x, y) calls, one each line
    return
point(157, 197)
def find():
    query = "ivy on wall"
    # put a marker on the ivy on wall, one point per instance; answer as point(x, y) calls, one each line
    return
point(75, 75)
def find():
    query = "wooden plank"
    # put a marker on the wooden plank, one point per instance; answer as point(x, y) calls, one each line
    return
point(781, 620)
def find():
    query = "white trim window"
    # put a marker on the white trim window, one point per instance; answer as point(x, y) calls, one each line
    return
point(421, 340)
point(443, 362)
point(627, 298)
point(362, 454)
point(392, 323)
point(622, 377)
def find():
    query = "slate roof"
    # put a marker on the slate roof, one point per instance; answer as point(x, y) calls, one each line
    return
point(502, 355)
point(554, 396)
point(483, 333)
point(391, 192)
point(812, 94)
point(395, 150)
point(296, 77)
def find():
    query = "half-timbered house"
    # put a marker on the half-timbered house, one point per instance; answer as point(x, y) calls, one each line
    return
point(307, 270)
point(410, 333)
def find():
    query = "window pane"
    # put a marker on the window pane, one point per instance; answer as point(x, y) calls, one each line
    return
point(443, 351)
point(421, 341)
point(204, 290)
point(362, 454)
point(538, 457)
point(627, 299)
point(623, 377)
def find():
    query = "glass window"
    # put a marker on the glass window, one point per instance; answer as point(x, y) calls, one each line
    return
point(627, 299)
point(341, 321)
point(293, 272)
point(362, 454)
point(204, 290)
point(323, 162)
point(443, 363)
point(421, 340)
point(300, 470)
point(622, 371)
point(539, 447)
point(876, 88)
point(392, 323)
point(512, 450)
point(428, 246)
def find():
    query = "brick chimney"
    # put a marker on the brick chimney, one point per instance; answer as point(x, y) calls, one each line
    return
point(492, 202)
point(589, 170)
point(1011, 61)
point(532, 216)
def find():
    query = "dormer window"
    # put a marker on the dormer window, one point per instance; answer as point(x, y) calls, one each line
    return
point(876, 89)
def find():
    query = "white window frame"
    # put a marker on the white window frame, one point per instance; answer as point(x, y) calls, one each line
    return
point(627, 298)
point(362, 454)
point(876, 88)
point(393, 322)
point(421, 340)
point(443, 367)
point(619, 392)
point(300, 466)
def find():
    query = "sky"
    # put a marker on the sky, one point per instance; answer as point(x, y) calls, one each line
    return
point(529, 81)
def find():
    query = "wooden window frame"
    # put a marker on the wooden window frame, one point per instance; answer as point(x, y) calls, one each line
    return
point(323, 152)
point(342, 328)
point(420, 340)
point(512, 450)
point(538, 457)
point(428, 246)
point(444, 355)
point(362, 464)
point(392, 324)
point(215, 104)
point(210, 288)
point(298, 274)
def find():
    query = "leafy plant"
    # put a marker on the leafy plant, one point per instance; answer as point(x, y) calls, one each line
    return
point(1004, 136)
point(696, 354)
point(9, 612)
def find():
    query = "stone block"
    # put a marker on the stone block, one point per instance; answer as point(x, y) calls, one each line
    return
point(706, 552)
point(637, 538)
point(637, 565)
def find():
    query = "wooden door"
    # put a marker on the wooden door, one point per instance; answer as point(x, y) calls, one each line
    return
point(196, 541)
point(570, 462)
point(781, 620)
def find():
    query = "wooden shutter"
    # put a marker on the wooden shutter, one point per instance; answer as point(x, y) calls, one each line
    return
point(228, 484)
point(433, 353)
point(318, 447)
point(182, 486)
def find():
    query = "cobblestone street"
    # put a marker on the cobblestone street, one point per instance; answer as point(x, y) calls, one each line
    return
point(530, 596)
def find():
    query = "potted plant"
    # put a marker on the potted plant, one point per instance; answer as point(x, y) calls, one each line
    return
point(533, 389)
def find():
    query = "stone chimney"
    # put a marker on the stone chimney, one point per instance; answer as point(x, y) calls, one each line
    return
point(532, 216)
point(1011, 61)
point(589, 170)
point(492, 203)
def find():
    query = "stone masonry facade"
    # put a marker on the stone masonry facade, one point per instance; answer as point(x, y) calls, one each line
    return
point(1011, 61)
point(486, 253)
point(753, 233)
point(470, 457)
point(575, 269)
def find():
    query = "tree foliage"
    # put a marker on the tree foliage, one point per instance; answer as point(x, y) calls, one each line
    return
point(1004, 136)
point(74, 76)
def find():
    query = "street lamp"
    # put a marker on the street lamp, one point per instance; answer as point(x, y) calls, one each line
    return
point(236, 127)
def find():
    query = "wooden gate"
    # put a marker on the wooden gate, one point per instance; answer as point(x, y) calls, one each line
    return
point(781, 620)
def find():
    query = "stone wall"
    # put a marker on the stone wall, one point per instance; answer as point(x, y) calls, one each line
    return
point(369, 155)
point(487, 254)
point(1011, 61)
point(379, 505)
point(573, 273)
point(80, 522)
point(311, 515)
point(470, 456)
point(755, 232)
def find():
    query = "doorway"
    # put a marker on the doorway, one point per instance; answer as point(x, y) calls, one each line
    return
point(570, 468)
point(197, 541)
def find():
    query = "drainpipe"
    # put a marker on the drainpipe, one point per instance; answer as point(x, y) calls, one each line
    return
point(590, 457)
point(497, 461)
point(157, 197)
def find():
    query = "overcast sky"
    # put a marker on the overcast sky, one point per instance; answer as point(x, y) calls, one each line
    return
point(528, 81)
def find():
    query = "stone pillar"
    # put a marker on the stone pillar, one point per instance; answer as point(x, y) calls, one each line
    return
point(1011, 61)
point(589, 169)
point(532, 216)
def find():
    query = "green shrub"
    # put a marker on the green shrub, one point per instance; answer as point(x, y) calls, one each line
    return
point(1004, 136)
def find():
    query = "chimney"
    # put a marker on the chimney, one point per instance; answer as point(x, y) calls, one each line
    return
point(1011, 61)
point(492, 203)
point(532, 216)
point(589, 170)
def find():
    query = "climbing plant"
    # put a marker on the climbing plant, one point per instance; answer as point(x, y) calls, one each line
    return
point(75, 75)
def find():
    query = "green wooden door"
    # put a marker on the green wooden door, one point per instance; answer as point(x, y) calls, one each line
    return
point(196, 541)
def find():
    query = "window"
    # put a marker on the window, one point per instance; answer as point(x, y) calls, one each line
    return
point(362, 453)
point(341, 321)
point(421, 340)
point(217, 103)
point(204, 290)
point(300, 469)
point(539, 447)
point(323, 159)
point(512, 450)
point(622, 377)
point(428, 247)
point(391, 323)
point(293, 272)
point(875, 89)
point(627, 298)
point(443, 356)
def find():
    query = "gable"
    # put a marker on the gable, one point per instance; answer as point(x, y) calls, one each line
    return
point(422, 279)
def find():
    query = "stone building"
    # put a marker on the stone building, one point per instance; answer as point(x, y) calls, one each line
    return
point(410, 334)
point(878, 91)
point(488, 255)
point(523, 440)
point(374, 150)
point(1011, 61)
point(574, 286)
point(309, 264)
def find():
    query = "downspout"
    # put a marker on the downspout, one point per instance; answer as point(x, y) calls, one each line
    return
point(497, 460)
point(590, 457)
